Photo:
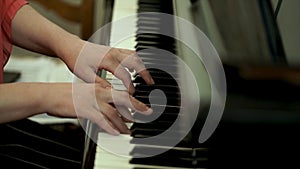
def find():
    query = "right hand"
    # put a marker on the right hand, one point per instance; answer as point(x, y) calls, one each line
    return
point(104, 106)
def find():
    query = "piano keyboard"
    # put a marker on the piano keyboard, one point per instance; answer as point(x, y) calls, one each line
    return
point(106, 159)
point(240, 141)
point(185, 155)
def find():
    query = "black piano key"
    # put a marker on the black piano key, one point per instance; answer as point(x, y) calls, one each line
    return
point(158, 37)
point(147, 92)
point(164, 117)
point(169, 88)
point(161, 61)
point(170, 68)
point(154, 29)
point(139, 133)
point(146, 47)
point(149, 9)
point(157, 45)
point(161, 44)
point(146, 28)
point(148, 16)
point(185, 143)
point(140, 2)
point(173, 153)
point(161, 73)
point(149, 5)
point(162, 125)
point(148, 36)
point(172, 162)
point(158, 117)
point(142, 89)
point(159, 80)
point(147, 42)
point(148, 22)
point(159, 58)
point(159, 100)
point(144, 133)
point(158, 30)
point(165, 4)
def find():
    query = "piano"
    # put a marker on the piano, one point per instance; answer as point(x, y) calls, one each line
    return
point(254, 122)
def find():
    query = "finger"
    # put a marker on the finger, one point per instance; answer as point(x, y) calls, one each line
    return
point(123, 98)
point(113, 116)
point(126, 120)
point(127, 116)
point(134, 62)
point(146, 76)
point(138, 106)
point(122, 74)
point(103, 123)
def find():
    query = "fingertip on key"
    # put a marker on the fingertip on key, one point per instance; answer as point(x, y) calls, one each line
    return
point(151, 81)
point(148, 111)
point(116, 132)
point(131, 90)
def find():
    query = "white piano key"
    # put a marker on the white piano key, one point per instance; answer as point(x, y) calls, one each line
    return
point(105, 159)
point(123, 9)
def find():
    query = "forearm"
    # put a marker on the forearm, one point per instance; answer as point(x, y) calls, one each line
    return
point(32, 31)
point(21, 100)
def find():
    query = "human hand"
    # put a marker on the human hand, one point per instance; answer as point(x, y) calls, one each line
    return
point(106, 107)
point(93, 58)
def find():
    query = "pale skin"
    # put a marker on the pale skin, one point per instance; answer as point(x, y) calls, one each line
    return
point(21, 100)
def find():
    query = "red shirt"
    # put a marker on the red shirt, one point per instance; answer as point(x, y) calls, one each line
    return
point(8, 9)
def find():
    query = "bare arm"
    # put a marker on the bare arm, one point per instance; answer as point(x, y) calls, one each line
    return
point(90, 101)
point(32, 31)
point(19, 101)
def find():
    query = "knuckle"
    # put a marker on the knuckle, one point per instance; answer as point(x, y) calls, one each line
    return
point(98, 88)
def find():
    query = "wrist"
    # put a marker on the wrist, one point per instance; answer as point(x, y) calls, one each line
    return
point(69, 50)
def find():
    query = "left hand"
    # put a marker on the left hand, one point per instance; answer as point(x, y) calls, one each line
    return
point(93, 58)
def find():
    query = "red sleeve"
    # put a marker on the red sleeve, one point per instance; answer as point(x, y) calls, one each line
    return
point(8, 9)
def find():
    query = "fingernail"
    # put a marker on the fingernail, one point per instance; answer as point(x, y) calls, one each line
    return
point(152, 81)
point(116, 132)
point(148, 111)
